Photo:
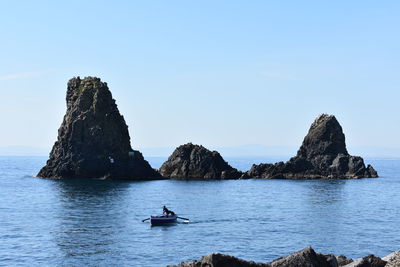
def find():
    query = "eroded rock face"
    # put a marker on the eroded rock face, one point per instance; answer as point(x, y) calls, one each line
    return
point(323, 155)
point(191, 161)
point(93, 140)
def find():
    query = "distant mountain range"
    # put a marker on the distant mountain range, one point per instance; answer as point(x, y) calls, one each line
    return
point(253, 150)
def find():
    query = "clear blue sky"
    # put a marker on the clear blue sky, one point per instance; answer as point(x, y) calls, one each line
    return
point(218, 73)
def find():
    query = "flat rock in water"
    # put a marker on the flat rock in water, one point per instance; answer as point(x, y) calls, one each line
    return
point(323, 155)
point(191, 161)
point(93, 140)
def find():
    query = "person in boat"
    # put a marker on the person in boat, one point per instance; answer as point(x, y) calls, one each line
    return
point(168, 212)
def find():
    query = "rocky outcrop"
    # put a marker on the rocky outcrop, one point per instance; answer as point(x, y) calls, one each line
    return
point(191, 161)
point(368, 261)
point(393, 259)
point(343, 260)
point(220, 260)
point(304, 258)
point(93, 140)
point(323, 155)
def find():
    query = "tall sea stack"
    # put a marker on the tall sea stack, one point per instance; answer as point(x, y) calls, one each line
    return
point(93, 140)
point(323, 155)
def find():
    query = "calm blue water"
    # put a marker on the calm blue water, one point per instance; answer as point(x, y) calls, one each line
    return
point(98, 223)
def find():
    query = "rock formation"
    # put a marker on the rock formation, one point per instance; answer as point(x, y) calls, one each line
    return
point(197, 162)
point(220, 260)
point(343, 260)
point(323, 155)
point(368, 261)
point(304, 258)
point(393, 259)
point(93, 140)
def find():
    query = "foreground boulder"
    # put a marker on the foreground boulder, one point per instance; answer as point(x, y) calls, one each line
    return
point(304, 258)
point(343, 260)
point(220, 260)
point(393, 259)
point(368, 261)
point(197, 162)
point(323, 155)
point(93, 140)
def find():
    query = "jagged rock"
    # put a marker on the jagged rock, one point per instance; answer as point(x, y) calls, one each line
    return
point(93, 140)
point(191, 161)
point(343, 260)
point(323, 155)
point(220, 260)
point(368, 261)
point(393, 259)
point(305, 257)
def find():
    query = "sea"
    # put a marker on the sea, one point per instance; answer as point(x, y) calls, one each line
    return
point(46, 222)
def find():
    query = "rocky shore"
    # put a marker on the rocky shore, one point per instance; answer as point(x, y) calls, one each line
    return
point(93, 140)
point(191, 161)
point(304, 258)
point(323, 155)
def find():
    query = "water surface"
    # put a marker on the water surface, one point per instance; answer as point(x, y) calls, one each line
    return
point(98, 223)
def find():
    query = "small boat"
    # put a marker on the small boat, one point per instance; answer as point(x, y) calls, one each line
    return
point(163, 219)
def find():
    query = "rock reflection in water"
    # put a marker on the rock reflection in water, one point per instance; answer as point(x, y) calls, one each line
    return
point(89, 221)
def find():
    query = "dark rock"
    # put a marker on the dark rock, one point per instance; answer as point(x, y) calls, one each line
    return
point(368, 261)
point(343, 260)
point(330, 259)
point(197, 162)
point(307, 258)
point(244, 176)
point(220, 260)
point(303, 258)
point(323, 155)
point(93, 140)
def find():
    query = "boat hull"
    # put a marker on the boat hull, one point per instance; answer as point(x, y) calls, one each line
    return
point(163, 220)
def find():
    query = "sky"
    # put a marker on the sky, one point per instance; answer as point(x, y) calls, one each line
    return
point(217, 73)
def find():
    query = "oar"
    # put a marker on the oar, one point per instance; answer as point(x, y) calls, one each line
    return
point(145, 219)
point(182, 218)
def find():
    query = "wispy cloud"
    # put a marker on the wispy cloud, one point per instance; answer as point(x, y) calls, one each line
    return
point(22, 75)
point(278, 75)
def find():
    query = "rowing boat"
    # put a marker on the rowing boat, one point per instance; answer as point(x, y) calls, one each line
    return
point(163, 219)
